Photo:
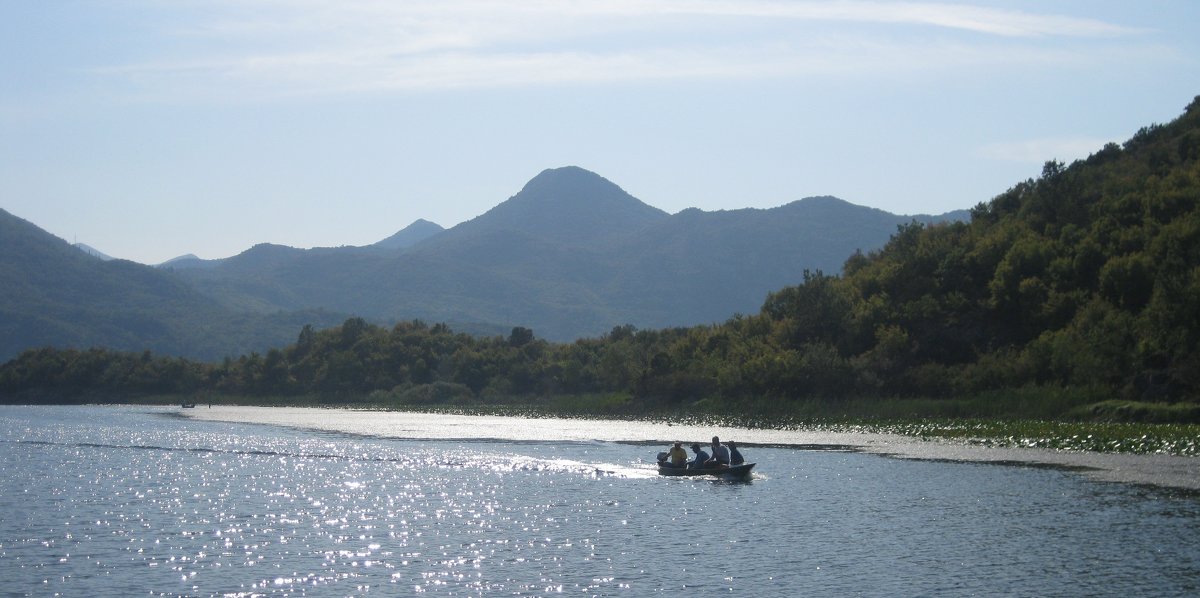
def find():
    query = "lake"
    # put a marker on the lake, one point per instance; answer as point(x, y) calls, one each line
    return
point(123, 501)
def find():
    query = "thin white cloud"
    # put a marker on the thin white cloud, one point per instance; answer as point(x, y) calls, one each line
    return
point(952, 16)
point(525, 15)
point(297, 47)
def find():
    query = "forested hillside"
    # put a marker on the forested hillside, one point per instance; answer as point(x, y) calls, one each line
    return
point(1086, 277)
point(1085, 281)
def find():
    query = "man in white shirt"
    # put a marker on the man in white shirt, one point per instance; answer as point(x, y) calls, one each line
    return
point(720, 454)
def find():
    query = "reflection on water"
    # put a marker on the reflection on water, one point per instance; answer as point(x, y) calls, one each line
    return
point(121, 501)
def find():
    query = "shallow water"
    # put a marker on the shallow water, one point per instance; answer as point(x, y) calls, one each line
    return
point(107, 501)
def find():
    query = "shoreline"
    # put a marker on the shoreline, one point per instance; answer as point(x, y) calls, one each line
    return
point(1167, 471)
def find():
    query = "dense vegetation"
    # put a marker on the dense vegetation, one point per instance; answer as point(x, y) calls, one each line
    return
point(1079, 287)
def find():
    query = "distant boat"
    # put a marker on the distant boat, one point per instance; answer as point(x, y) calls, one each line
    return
point(732, 472)
point(188, 405)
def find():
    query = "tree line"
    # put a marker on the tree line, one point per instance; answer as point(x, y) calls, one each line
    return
point(1087, 277)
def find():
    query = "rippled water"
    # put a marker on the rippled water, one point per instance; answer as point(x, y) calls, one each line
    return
point(103, 501)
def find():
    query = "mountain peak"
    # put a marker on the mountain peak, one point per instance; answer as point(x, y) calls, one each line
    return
point(576, 186)
point(569, 205)
point(410, 235)
point(573, 176)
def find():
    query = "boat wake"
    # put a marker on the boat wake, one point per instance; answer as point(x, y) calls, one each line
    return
point(525, 463)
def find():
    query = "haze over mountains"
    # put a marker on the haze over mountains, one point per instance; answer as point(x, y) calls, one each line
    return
point(570, 255)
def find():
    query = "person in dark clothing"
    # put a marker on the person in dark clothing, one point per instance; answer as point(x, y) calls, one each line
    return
point(735, 456)
point(701, 457)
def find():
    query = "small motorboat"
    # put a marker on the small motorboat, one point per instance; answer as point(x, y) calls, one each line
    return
point(729, 472)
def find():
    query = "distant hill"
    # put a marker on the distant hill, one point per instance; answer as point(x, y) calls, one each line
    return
point(414, 233)
point(570, 255)
point(411, 235)
point(92, 251)
point(711, 265)
point(55, 294)
point(190, 260)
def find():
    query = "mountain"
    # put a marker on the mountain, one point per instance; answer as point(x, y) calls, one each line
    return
point(711, 265)
point(190, 260)
point(566, 206)
point(187, 261)
point(92, 251)
point(1069, 296)
point(570, 255)
point(55, 294)
point(410, 235)
point(1078, 287)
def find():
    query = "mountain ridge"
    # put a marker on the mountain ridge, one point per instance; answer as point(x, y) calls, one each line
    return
point(567, 205)
point(57, 295)
point(570, 255)
point(420, 230)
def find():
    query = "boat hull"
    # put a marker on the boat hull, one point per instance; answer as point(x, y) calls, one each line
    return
point(731, 472)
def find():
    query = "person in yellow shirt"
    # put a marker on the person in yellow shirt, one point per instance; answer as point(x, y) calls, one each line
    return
point(677, 456)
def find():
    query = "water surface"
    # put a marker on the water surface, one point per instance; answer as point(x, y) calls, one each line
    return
point(107, 501)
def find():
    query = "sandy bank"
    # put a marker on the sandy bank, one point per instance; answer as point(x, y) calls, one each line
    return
point(1159, 470)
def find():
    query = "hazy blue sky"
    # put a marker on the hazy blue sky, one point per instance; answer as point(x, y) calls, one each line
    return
point(154, 128)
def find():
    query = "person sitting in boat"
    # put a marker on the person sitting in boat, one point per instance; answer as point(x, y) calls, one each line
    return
point(720, 456)
point(701, 457)
point(735, 457)
point(677, 456)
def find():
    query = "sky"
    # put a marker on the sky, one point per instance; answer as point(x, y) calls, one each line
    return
point(150, 129)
